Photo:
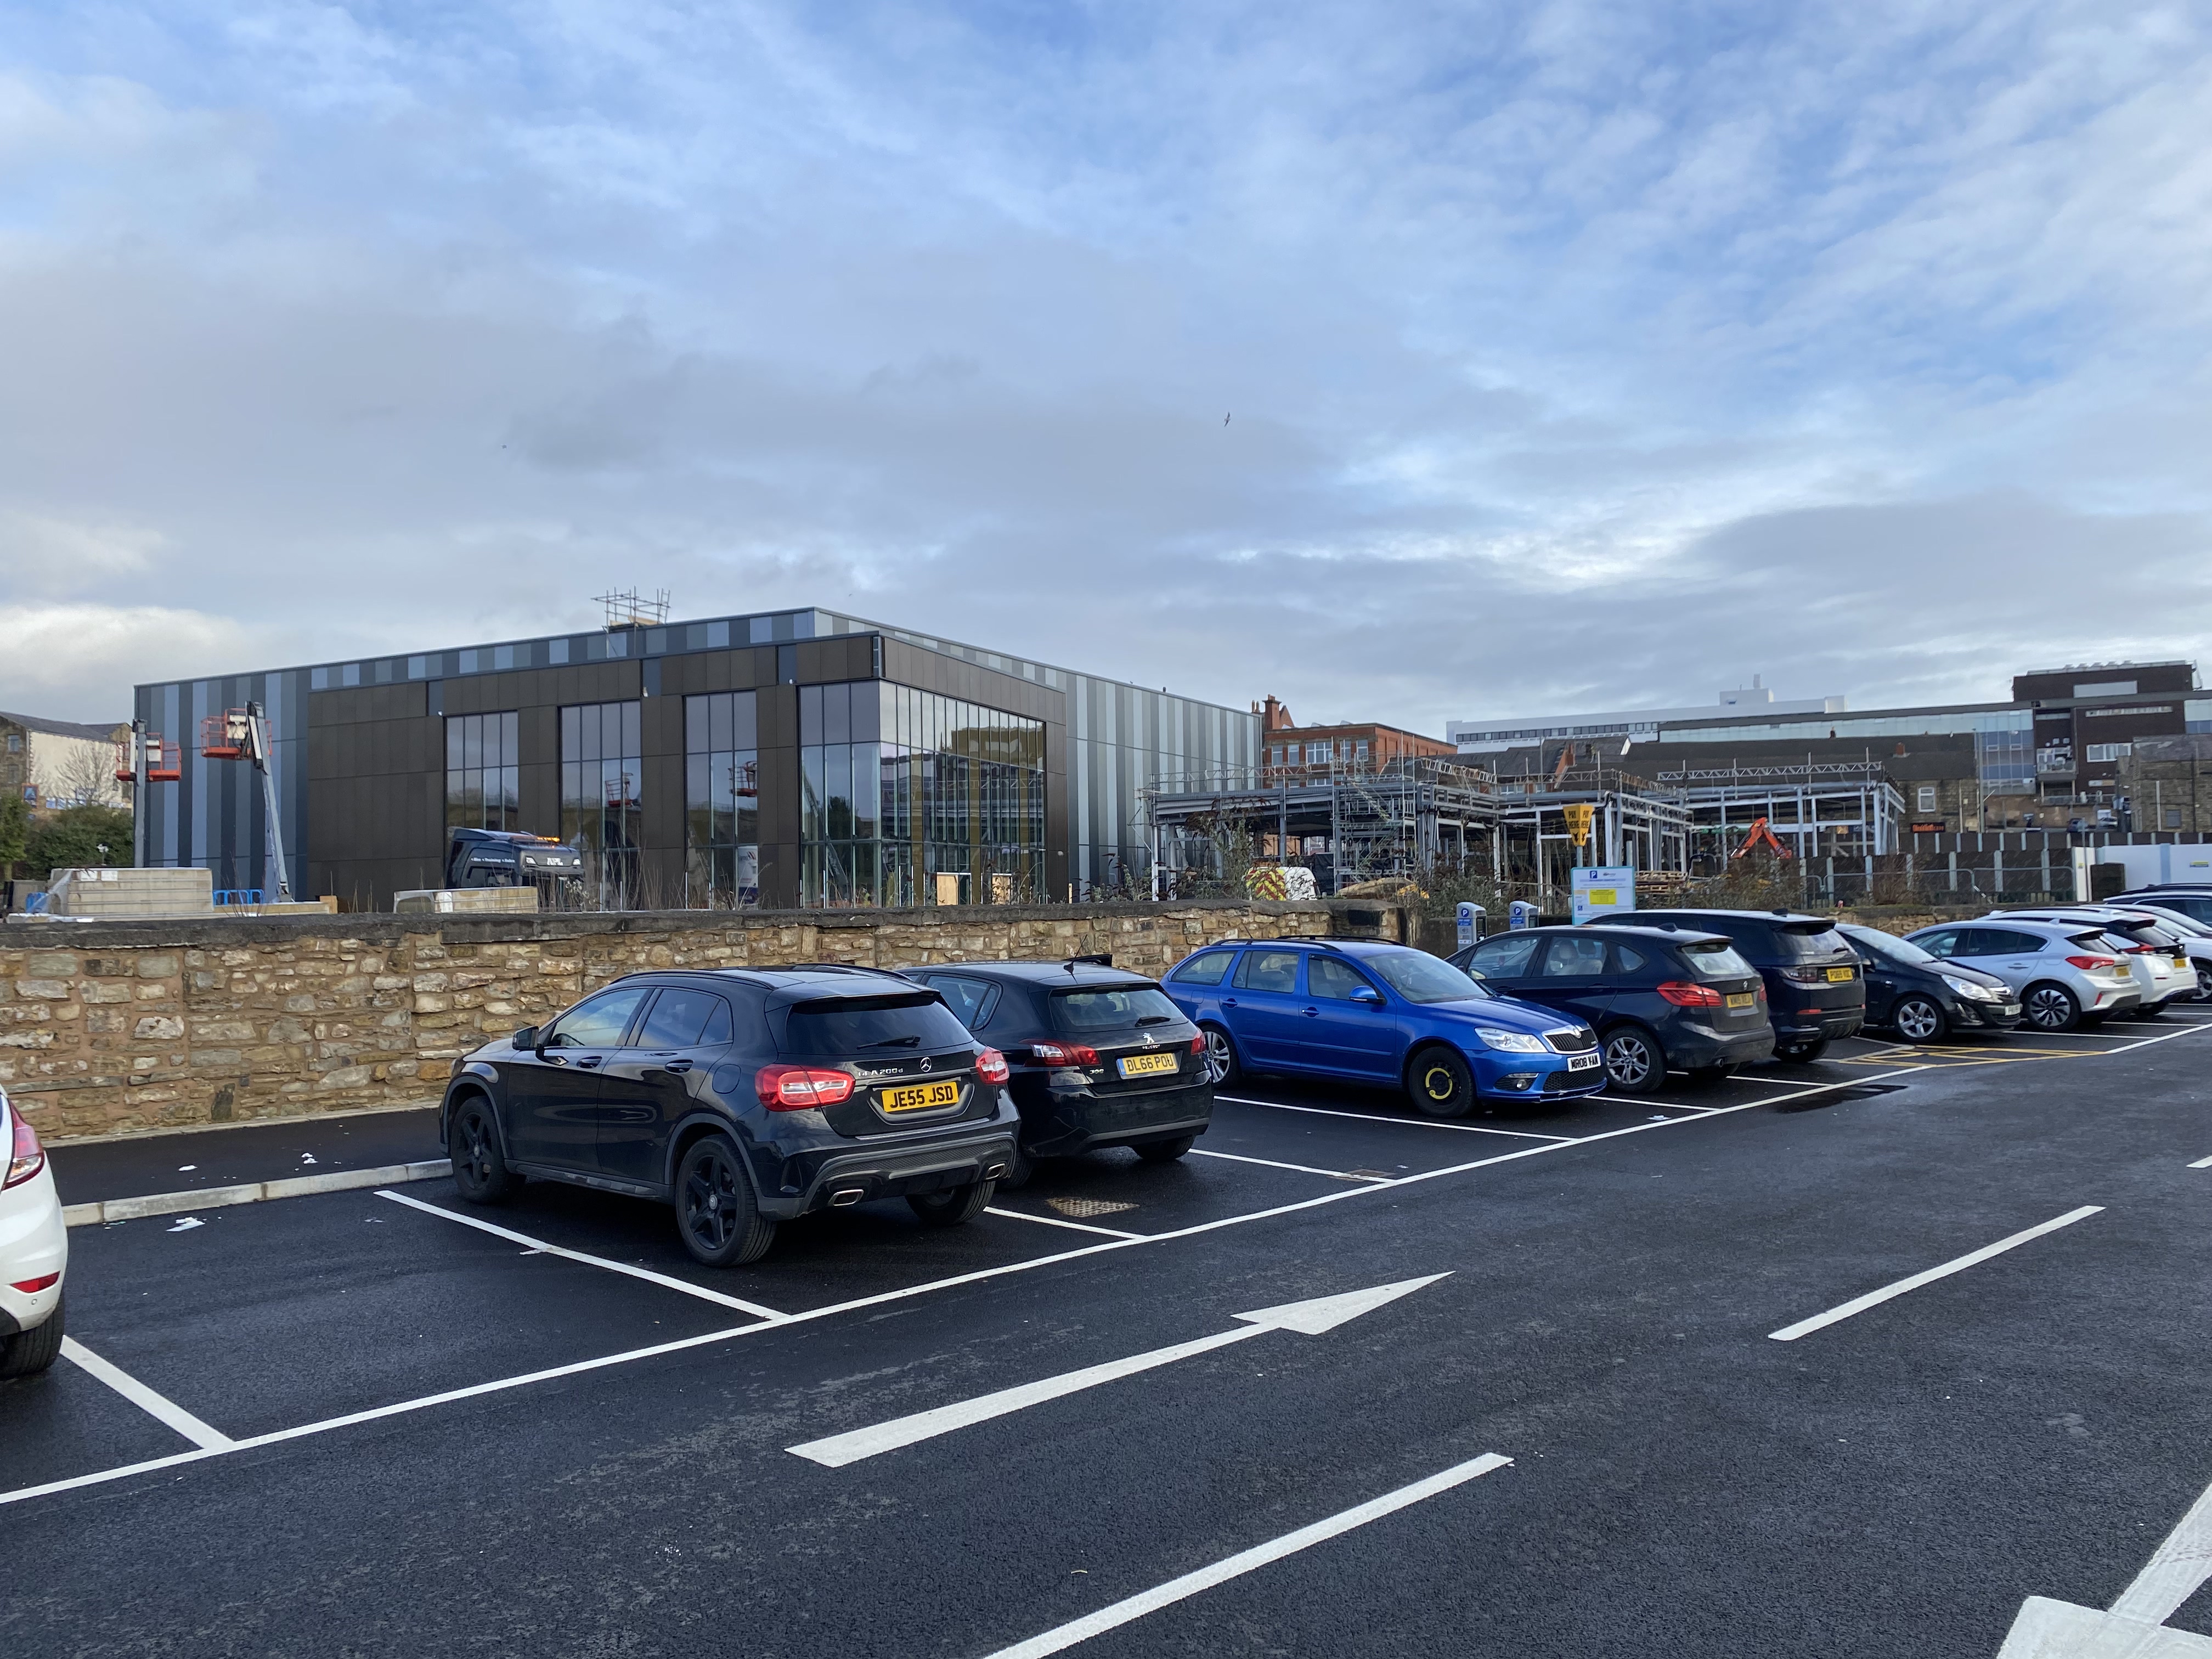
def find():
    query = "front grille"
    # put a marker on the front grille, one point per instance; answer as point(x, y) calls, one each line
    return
point(1574, 1040)
point(1559, 1082)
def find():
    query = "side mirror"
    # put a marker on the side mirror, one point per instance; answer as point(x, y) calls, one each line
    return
point(525, 1038)
point(1368, 996)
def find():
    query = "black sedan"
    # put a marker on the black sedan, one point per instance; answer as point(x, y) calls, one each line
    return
point(1924, 999)
point(1099, 1057)
point(743, 1097)
point(1659, 998)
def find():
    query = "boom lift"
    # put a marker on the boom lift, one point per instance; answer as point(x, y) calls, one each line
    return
point(243, 734)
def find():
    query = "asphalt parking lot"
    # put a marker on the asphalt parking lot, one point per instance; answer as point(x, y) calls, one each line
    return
point(374, 1422)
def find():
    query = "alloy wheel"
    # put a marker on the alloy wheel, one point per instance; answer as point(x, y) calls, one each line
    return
point(1219, 1056)
point(1628, 1060)
point(1919, 1021)
point(710, 1200)
point(2049, 1009)
point(476, 1144)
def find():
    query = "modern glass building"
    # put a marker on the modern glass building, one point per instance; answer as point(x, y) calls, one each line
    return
point(787, 758)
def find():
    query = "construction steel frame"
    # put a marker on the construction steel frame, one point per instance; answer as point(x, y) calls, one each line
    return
point(1395, 819)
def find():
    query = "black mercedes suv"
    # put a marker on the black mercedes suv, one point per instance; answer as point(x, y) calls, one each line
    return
point(744, 1097)
point(1100, 1057)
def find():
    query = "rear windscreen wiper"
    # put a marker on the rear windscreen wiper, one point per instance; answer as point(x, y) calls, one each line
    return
point(894, 1042)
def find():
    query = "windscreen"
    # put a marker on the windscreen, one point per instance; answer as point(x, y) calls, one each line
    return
point(1717, 960)
point(1111, 1008)
point(878, 1025)
point(1419, 977)
point(1889, 946)
point(1805, 941)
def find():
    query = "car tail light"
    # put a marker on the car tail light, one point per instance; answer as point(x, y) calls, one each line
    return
point(1683, 995)
point(26, 1157)
point(797, 1088)
point(2143, 950)
point(1198, 1043)
point(991, 1065)
point(33, 1286)
point(2087, 963)
point(1064, 1054)
point(1806, 976)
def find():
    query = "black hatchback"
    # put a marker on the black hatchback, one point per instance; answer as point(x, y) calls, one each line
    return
point(1659, 999)
point(1099, 1057)
point(1924, 999)
point(1815, 993)
point(743, 1097)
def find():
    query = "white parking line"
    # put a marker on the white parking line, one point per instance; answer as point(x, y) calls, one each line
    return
point(1874, 1298)
point(154, 1405)
point(1654, 1105)
point(624, 1268)
point(1372, 1117)
point(2202, 1164)
point(1272, 1163)
point(1054, 1221)
point(22, 1494)
point(1136, 1606)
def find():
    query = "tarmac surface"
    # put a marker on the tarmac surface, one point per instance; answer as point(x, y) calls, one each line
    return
point(361, 1423)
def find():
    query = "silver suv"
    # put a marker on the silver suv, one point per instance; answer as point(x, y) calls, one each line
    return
point(2066, 973)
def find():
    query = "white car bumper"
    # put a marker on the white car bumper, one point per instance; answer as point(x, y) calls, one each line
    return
point(33, 1246)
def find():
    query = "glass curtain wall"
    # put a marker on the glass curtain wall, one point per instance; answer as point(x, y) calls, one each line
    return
point(721, 761)
point(601, 780)
point(481, 760)
point(910, 797)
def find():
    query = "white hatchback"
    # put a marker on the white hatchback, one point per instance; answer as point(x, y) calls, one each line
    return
point(33, 1251)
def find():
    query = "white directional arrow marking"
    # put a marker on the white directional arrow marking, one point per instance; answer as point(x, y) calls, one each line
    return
point(1323, 1313)
point(2136, 1628)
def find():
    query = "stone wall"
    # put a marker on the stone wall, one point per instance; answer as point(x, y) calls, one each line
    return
point(107, 1027)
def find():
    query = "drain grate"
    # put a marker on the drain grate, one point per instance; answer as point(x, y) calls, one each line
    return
point(1083, 1206)
point(1856, 1091)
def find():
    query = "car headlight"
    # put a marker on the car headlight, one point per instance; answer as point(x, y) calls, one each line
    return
point(1967, 987)
point(1513, 1043)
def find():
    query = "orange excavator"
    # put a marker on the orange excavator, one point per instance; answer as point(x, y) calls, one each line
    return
point(1761, 835)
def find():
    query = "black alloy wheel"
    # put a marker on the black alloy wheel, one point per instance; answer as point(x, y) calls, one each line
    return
point(1440, 1083)
point(1019, 1168)
point(953, 1206)
point(1222, 1069)
point(1919, 1019)
point(1635, 1064)
point(480, 1171)
point(720, 1223)
point(1165, 1151)
point(2050, 1008)
point(1803, 1054)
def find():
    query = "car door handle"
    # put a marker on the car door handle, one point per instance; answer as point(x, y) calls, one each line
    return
point(1310, 1013)
point(676, 1065)
point(1228, 1002)
point(585, 1062)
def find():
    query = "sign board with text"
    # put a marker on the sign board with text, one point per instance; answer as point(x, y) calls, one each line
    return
point(1602, 890)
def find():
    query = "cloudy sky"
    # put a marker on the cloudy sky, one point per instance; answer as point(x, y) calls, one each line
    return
point(1574, 354)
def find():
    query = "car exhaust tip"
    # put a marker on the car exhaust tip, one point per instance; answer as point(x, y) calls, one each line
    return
point(846, 1196)
point(994, 1172)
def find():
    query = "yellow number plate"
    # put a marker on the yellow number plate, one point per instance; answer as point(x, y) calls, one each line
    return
point(920, 1096)
point(1838, 976)
point(1740, 999)
point(1145, 1065)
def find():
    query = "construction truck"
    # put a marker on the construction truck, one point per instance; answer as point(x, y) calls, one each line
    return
point(514, 858)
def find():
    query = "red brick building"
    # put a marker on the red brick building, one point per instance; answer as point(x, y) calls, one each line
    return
point(1287, 748)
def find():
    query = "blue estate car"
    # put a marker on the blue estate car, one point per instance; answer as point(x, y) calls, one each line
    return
point(1378, 1014)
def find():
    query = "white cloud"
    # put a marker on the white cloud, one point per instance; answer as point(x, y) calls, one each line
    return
point(1571, 349)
